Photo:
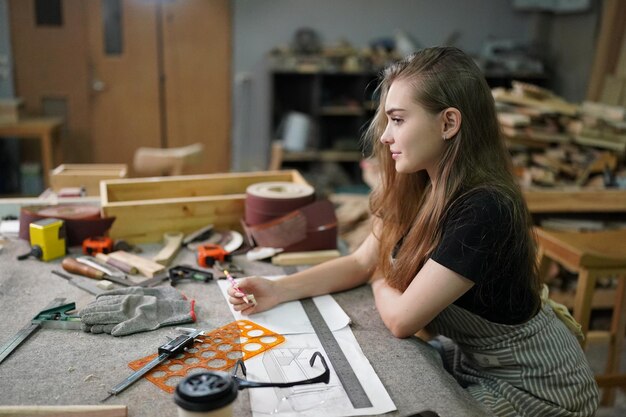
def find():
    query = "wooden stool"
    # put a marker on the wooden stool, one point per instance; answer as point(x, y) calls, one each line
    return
point(592, 255)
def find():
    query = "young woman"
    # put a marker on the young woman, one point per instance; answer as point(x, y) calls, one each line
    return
point(451, 245)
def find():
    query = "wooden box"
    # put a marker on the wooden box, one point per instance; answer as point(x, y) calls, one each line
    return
point(86, 175)
point(146, 208)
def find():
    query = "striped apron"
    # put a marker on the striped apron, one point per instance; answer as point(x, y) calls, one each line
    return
point(532, 369)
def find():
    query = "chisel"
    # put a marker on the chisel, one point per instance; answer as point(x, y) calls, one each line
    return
point(73, 266)
point(85, 286)
point(100, 266)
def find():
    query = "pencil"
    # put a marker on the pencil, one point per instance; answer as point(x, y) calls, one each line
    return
point(246, 298)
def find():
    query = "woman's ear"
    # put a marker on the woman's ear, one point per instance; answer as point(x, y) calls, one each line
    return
point(451, 122)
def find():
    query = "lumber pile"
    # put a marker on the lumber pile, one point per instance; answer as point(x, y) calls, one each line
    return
point(555, 143)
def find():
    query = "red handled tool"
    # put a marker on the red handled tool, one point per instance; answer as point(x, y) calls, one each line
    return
point(210, 253)
point(99, 244)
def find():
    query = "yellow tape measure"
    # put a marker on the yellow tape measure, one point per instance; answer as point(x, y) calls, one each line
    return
point(49, 235)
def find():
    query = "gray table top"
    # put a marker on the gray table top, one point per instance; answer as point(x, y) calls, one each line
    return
point(70, 367)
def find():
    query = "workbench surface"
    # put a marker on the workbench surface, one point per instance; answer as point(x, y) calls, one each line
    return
point(70, 367)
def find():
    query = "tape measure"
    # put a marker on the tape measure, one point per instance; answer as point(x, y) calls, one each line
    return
point(99, 244)
point(209, 253)
point(47, 239)
point(351, 384)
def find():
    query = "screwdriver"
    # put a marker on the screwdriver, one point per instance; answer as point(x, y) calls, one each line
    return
point(73, 266)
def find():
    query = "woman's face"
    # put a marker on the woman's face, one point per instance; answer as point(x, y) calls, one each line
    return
point(414, 135)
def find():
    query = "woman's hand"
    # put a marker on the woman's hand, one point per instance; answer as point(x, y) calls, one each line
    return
point(264, 292)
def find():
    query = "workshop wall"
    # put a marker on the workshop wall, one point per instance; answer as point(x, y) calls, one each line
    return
point(9, 148)
point(6, 80)
point(260, 25)
point(571, 46)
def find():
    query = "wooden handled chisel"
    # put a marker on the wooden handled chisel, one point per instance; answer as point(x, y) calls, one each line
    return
point(75, 267)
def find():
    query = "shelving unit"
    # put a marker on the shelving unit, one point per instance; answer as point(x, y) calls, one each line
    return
point(339, 105)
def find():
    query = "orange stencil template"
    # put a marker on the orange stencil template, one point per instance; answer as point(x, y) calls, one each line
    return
point(215, 351)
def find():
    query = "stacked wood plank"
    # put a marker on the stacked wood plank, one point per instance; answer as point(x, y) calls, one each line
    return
point(555, 143)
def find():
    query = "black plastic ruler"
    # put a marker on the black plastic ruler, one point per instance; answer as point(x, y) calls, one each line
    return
point(351, 384)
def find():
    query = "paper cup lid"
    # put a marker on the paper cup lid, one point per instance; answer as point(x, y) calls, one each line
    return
point(206, 391)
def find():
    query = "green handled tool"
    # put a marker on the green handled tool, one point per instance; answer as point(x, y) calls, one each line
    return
point(53, 316)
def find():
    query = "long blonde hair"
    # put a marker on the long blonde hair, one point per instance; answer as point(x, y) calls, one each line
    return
point(411, 208)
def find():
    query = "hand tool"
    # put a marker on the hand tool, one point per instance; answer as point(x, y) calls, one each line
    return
point(231, 266)
point(172, 241)
point(75, 267)
point(199, 234)
point(209, 253)
point(247, 298)
point(180, 272)
point(98, 244)
point(91, 289)
point(221, 346)
point(122, 266)
point(47, 239)
point(53, 316)
point(100, 266)
point(172, 347)
point(146, 267)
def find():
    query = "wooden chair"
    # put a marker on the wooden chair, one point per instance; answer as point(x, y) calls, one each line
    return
point(276, 156)
point(169, 161)
point(592, 255)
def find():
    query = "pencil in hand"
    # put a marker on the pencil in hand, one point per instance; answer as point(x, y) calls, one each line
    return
point(247, 298)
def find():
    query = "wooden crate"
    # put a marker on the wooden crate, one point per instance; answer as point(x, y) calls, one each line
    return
point(146, 208)
point(86, 175)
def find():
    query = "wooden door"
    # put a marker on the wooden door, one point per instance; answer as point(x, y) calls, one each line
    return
point(196, 56)
point(124, 78)
point(150, 73)
point(170, 86)
point(50, 71)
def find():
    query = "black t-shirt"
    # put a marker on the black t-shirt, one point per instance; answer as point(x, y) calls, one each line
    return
point(477, 241)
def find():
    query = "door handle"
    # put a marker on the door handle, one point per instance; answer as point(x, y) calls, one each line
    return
point(98, 85)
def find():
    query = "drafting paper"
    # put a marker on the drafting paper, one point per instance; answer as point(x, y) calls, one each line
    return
point(290, 362)
point(290, 318)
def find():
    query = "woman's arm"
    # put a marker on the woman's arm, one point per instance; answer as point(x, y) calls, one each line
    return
point(336, 275)
point(431, 291)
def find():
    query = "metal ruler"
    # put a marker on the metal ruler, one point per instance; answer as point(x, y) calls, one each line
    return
point(52, 316)
point(351, 384)
point(11, 345)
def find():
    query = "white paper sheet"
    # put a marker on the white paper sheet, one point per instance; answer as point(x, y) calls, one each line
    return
point(290, 318)
point(289, 361)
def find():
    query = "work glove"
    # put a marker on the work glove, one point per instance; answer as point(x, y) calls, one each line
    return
point(134, 309)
